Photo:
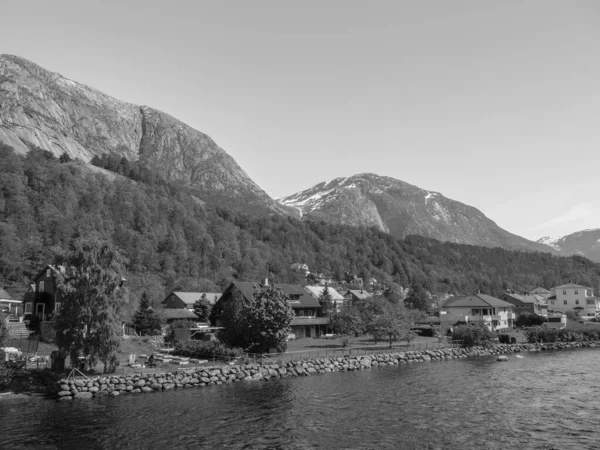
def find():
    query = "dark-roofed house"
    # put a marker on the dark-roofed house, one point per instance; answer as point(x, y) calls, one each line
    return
point(494, 313)
point(531, 304)
point(574, 297)
point(180, 299)
point(357, 294)
point(43, 300)
point(178, 314)
point(307, 322)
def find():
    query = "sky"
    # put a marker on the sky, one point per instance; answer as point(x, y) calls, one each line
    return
point(494, 104)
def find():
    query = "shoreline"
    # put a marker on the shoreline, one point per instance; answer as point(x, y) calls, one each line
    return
point(115, 385)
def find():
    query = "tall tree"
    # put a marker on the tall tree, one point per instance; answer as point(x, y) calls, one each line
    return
point(258, 324)
point(3, 330)
point(326, 300)
point(145, 320)
point(91, 286)
point(203, 308)
point(394, 321)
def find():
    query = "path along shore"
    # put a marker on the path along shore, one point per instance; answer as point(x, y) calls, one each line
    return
point(88, 388)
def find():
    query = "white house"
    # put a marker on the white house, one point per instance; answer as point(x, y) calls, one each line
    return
point(574, 297)
point(494, 313)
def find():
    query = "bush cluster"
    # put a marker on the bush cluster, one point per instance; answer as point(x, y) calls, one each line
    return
point(542, 334)
point(204, 349)
point(471, 335)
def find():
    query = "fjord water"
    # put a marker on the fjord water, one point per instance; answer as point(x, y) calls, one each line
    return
point(534, 401)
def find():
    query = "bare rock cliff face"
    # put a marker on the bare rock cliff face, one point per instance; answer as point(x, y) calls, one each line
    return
point(402, 209)
point(583, 243)
point(43, 109)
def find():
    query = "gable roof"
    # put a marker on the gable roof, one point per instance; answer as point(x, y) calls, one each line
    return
point(316, 292)
point(539, 290)
point(179, 314)
point(4, 295)
point(189, 298)
point(359, 294)
point(476, 300)
point(249, 288)
point(571, 286)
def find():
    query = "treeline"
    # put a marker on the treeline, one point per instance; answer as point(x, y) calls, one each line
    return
point(175, 239)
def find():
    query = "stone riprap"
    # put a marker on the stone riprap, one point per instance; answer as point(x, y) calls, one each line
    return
point(114, 385)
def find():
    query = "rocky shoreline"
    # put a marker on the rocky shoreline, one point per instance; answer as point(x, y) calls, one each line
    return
point(115, 385)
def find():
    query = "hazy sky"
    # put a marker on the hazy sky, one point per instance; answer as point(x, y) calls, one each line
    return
point(494, 104)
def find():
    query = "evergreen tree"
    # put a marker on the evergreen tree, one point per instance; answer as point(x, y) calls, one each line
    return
point(91, 286)
point(326, 300)
point(203, 308)
point(145, 320)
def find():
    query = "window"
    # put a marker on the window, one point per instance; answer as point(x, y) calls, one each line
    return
point(301, 313)
point(565, 302)
point(576, 292)
point(565, 293)
point(577, 302)
point(57, 307)
point(588, 293)
point(590, 301)
point(484, 312)
point(47, 273)
point(41, 286)
point(28, 308)
point(552, 302)
point(475, 312)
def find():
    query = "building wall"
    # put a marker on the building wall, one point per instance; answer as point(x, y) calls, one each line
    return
point(570, 298)
point(476, 315)
point(173, 302)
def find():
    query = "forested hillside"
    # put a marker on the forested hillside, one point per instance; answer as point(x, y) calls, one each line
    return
point(173, 239)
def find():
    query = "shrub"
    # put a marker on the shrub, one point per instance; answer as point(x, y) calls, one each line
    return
point(471, 335)
point(530, 320)
point(504, 338)
point(206, 349)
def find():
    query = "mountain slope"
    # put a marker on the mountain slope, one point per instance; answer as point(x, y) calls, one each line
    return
point(39, 108)
point(403, 209)
point(585, 243)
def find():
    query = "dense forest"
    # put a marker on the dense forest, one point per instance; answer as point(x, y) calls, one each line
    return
point(175, 239)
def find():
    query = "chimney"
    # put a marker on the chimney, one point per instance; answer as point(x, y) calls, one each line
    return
point(266, 282)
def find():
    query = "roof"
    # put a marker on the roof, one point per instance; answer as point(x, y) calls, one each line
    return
point(359, 294)
point(476, 300)
point(539, 290)
point(179, 314)
point(248, 289)
point(316, 292)
point(189, 298)
point(571, 286)
point(4, 295)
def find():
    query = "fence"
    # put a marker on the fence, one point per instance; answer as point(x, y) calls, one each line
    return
point(350, 351)
point(28, 345)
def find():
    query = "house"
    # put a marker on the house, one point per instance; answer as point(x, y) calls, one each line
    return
point(357, 294)
point(557, 321)
point(494, 313)
point(181, 300)
point(540, 291)
point(173, 314)
point(527, 303)
point(574, 297)
point(307, 322)
point(9, 306)
point(43, 299)
point(316, 292)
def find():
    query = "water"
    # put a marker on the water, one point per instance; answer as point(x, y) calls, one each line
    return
point(539, 401)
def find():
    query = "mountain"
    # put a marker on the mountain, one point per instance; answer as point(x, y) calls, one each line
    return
point(402, 209)
point(39, 108)
point(585, 243)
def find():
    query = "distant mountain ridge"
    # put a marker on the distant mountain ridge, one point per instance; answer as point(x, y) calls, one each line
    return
point(585, 243)
point(39, 108)
point(402, 209)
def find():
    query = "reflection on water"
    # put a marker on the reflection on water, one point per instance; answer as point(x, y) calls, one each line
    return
point(546, 400)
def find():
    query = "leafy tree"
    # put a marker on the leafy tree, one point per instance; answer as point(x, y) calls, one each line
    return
point(258, 324)
point(394, 321)
point(347, 322)
point(145, 320)
point(64, 158)
point(93, 295)
point(326, 300)
point(203, 308)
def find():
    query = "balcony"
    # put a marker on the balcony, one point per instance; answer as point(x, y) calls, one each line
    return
point(308, 320)
point(485, 318)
